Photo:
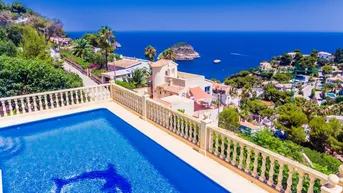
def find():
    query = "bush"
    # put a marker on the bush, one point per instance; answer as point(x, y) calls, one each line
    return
point(80, 61)
point(322, 162)
point(125, 85)
point(98, 72)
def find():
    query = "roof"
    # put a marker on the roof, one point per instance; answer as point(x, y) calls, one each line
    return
point(325, 53)
point(175, 100)
point(171, 88)
point(223, 87)
point(268, 103)
point(249, 125)
point(284, 85)
point(199, 94)
point(125, 63)
point(160, 63)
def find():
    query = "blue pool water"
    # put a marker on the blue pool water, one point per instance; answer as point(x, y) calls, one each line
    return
point(331, 95)
point(93, 151)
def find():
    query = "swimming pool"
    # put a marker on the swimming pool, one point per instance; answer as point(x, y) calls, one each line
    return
point(331, 95)
point(93, 151)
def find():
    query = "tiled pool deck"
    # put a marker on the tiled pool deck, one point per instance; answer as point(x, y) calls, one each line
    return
point(214, 170)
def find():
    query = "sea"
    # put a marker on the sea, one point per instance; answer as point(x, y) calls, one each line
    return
point(236, 50)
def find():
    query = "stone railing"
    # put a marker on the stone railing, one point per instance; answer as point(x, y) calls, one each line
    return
point(50, 100)
point(275, 171)
point(176, 122)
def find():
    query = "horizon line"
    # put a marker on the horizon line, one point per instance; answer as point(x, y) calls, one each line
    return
point(241, 31)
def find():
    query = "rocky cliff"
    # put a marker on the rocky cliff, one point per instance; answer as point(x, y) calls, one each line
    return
point(184, 51)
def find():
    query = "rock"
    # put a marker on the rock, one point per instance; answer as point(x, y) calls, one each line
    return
point(184, 51)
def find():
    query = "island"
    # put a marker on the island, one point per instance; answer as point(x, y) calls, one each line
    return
point(184, 51)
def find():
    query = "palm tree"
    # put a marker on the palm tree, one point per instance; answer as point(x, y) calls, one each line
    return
point(139, 78)
point(81, 48)
point(168, 54)
point(106, 40)
point(150, 53)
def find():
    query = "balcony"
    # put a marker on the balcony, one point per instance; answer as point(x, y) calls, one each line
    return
point(233, 163)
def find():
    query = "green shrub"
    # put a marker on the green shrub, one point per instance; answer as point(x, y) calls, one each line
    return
point(125, 85)
point(322, 162)
point(80, 61)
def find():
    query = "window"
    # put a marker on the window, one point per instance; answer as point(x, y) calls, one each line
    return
point(207, 89)
point(166, 72)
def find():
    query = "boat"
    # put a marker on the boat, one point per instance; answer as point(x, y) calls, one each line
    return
point(217, 61)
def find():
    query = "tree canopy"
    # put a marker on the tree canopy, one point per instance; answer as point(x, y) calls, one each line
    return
point(26, 76)
point(229, 117)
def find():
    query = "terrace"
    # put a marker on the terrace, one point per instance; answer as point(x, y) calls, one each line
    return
point(233, 163)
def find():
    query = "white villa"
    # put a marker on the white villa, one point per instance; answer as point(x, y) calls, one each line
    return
point(168, 81)
point(334, 79)
point(123, 68)
point(223, 92)
point(325, 55)
point(284, 87)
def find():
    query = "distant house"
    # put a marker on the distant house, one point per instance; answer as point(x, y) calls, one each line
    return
point(339, 118)
point(178, 103)
point(334, 79)
point(168, 81)
point(265, 66)
point(248, 128)
point(223, 92)
point(60, 41)
point(284, 87)
point(325, 55)
point(292, 54)
point(123, 68)
point(270, 104)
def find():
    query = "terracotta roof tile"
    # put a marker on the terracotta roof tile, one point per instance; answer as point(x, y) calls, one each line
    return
point(124, 63)
point(160, 63)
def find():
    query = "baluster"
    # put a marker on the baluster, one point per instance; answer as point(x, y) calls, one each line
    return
point(280, 177)
point(247, 165)
point(46, 102)
point(17, 107)
point(234, 155)
point(40, 102)
point(81, 96)
point(178, 124)
point(197, 135)
point(216, 147)
point(241, 156)
point(289, 180)
point(254, 173)
point(72, 97)
point(22, 105)
point(191, 130)
point(34, 100)
point(228, 150)
point(77, 97)
point(312, 181)
point(164, 113)
point(29, 104)
point(271, 171)
point(186, 129)
point(210, 141)
point(263, 168)
point(174, 122)
point(13, 106)
point(170, 121)
point(222, 147)
point(182, 133)
point(300, 182)
point(93, 94)
point(62, 99)
point(3, 105)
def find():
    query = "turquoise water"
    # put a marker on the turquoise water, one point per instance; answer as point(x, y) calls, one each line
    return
point(331, 95)
point(93, 151)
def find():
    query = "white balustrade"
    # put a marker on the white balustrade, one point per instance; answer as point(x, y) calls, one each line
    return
point(282, 177)
point(270, 168)
point(24, 104)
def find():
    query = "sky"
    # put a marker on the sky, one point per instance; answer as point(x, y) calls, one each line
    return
point(194, 15)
